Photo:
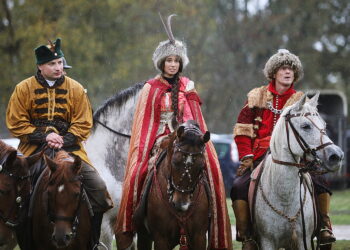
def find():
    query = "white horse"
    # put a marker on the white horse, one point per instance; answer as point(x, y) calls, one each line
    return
point(298, 141)
point(107, 148)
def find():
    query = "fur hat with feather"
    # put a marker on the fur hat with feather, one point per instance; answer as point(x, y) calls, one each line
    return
point(169, 47)
point(281, 58)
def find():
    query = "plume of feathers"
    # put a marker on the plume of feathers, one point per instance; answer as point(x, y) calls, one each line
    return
point(167, 27)
point(51, 45)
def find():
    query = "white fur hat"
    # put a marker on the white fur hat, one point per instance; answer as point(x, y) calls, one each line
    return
point(283, 57)
point(169, 47)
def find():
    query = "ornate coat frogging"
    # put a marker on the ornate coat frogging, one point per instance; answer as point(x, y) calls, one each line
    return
point(66, 103)
point(144, 134)
point(256, 120)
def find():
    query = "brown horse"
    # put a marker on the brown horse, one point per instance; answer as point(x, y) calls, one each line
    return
point(61, 214)
point(15, 188)
point(178, 204)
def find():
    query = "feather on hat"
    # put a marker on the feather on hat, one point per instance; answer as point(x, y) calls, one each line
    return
point(169, 47)
point(47, 53)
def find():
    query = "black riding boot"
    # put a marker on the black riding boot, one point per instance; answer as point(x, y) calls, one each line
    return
point(96, 229)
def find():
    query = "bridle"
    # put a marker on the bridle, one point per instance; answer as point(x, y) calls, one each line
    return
point(53, 218)
point(305, 165)
point(188, 161)
point(20, 197)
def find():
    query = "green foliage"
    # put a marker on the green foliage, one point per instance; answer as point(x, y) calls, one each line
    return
point(110, 44)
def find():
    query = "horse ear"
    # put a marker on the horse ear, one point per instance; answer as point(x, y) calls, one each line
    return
point(206, 137)
point(77, 164)
point(314, 100)
point(299, 104)
point(11, 158)
point(180, 131)
point(50, 163)
point(33, 158)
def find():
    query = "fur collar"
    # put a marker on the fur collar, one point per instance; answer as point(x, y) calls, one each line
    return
point(258, 97)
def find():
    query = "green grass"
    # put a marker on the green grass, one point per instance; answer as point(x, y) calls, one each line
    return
point(339, 212)
point(340, 215)
point(340, 207)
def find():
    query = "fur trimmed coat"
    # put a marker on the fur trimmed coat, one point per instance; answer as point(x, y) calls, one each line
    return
point(256, 120)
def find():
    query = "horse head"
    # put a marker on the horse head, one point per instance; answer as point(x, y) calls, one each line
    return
point(300, 137)
point(14, 189)
point(187, 163)
point(65, 193)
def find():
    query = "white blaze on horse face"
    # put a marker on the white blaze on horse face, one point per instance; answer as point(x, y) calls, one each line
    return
point(185, 206)
point(189, 159)
point(60, 188)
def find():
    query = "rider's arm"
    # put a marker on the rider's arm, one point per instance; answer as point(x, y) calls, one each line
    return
point(81, 121)
point(17, 114)
point(243, 133)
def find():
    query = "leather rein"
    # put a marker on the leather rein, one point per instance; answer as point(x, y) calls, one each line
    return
point(20, 198)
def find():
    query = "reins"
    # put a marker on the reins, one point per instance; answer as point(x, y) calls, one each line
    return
point(112, 130)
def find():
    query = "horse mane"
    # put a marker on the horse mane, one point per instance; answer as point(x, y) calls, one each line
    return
point(192, 133)
point(117, 100)
point(62, 172)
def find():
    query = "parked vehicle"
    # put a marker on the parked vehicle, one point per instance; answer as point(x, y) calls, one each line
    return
point(226, 150)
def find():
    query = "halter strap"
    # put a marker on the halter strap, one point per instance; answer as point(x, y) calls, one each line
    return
point(303, 144)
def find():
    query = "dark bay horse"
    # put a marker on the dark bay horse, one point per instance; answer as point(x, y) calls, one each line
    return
point(15, 188)
point(61, 214)
point(178, 204)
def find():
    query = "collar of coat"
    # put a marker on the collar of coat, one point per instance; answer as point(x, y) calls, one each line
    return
point(258, 97)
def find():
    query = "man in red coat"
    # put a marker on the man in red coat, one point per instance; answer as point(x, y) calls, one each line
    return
point(252, 134)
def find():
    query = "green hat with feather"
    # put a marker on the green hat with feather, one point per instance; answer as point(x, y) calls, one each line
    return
point(46, 53)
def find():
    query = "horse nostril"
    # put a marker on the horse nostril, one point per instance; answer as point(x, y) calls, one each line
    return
point(335, 158)
point(67, 237)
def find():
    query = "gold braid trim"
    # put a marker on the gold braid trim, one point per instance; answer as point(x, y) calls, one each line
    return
point(243, 129)
point(294, 98)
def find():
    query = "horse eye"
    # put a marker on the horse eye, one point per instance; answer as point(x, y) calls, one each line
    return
point(305, 126)
point(76, 195)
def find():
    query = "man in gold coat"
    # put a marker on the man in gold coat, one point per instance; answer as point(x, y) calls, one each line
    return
point(53, 109)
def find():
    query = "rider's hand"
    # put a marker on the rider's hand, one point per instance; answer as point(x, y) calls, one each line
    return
point(54, 140)
point(246, 163)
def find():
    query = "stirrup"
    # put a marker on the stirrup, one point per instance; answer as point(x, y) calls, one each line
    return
point(331, 238)
point(99, 244)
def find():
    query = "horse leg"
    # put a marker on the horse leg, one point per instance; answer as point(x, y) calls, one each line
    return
point(161, 244)
point(199, 242)
point(143, 242)
point(266, 244)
